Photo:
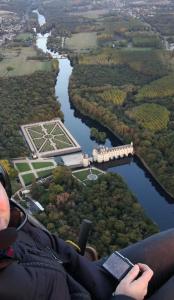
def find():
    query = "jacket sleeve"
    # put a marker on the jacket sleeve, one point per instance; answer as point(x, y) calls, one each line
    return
point(98, 282)
point(91, 275)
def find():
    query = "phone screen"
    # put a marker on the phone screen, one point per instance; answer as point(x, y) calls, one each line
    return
point(118, 265)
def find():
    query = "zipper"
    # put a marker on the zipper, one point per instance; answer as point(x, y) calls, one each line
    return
point(54, 255)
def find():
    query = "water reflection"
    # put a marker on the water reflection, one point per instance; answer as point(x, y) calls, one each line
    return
point(157, 205)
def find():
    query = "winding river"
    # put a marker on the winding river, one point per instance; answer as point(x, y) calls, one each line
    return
point(156, 204)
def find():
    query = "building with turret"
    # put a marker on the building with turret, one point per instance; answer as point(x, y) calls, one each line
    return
point(104, 154)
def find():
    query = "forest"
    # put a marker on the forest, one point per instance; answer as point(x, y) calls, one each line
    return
point(118, 220)
point(141, 76)
point(149, 62)
point(24, 99)
point(104, 74)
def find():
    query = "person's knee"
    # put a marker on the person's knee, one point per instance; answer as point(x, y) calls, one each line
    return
point(166, 292)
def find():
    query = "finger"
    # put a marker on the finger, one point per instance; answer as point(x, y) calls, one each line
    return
point(144, 267)
point(147, 273)
point(133, 273)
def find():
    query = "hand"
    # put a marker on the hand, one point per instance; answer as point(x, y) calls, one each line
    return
point(4, 208)
point(132, 287)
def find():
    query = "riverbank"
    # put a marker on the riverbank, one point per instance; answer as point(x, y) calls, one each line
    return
point(144, 164)
point(151, 198)
point(153, 176)
point(108, 91)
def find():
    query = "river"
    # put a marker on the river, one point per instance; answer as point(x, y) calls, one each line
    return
point(157, 205)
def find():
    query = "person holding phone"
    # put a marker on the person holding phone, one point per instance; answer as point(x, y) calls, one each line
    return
point(133, 286)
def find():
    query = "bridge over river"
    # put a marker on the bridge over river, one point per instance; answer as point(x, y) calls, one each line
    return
point(105, 154)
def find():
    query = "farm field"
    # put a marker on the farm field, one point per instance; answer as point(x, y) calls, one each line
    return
point(161, 88)
point(80, 42)
point(15, 57)
point(114, 96)
point(150, 116)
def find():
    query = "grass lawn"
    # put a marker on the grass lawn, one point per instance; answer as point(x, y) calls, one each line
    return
point(82, 41)
point(40, 165)
point(28, 178)
point(23, 167)
point(44, 173)
point(83, 173)
point(15, 62)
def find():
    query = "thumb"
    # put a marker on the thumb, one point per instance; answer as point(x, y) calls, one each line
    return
point(133, 273)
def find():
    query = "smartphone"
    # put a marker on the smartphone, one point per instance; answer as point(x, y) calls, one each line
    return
point(118, 265)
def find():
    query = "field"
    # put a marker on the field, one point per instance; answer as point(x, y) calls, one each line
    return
point(16, 62)
point(83, 41)
point(44, 173)
point(147, 41)
point(114, 96)
point(163, 87)
point(83, 173)
point(147, 61)
point(23, 37)
point(22, 167)
point(32, 169)
point(28, 178)
point(40, 165)
point(150, 116)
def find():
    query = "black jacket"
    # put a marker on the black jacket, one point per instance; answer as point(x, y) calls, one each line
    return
point(46, 268)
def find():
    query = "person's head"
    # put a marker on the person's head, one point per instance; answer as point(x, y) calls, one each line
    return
point(4, 208)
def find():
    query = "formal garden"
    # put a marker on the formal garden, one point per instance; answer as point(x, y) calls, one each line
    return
point(45, 137)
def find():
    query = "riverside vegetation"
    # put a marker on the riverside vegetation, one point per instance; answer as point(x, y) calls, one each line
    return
point(145, 116)
point(106, 202)
point(126, 84)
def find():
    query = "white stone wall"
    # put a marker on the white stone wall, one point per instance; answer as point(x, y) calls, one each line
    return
point(105, 154)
